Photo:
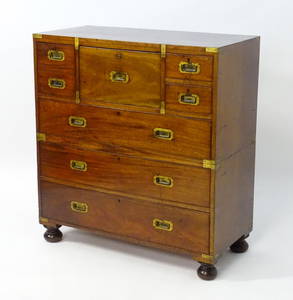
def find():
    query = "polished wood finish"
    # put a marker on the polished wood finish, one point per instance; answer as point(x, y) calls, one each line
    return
point(127, 217)
point(207, 272)
point(143, 69)
point(235, 142)
point(240, 246)
point(125, 132)
point(210, 207)
point(53, 234)
point(126, 174)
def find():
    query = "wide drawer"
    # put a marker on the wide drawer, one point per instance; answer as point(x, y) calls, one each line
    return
point(56, 55)
point(120, 76)
point(181, 228)
point(190, 67)
point(188, 100)
point(133, 176)
point(128, 132)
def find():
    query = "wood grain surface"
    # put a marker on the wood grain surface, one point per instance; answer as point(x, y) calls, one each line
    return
point(134, 176)
point(127, 217)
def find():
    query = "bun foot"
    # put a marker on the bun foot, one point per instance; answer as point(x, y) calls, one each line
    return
point(53, 234)
point(207, 272)
point(240, 246)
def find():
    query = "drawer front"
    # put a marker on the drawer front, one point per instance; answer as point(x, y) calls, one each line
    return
point(133, 176)
point(119, 76)
point(129, 132)
point(145, 221)
point(56, 55)
point(188, 100)
point(191, 67)
point(58, 83)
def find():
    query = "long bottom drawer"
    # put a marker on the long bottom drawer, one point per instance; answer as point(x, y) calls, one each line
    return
point(157, 223)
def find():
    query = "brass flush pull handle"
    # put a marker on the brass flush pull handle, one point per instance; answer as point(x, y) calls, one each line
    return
point(164, 134)
point(77, 121)
point(56, 83)
point(189, 67)
point(56, 55)
point(163, 224)
point(79, 207)
point(119, 77)
point(163, 181)
point(188, 99)
point(78, 165)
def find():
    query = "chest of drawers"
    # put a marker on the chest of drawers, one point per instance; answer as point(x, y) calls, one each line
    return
point(148, 136)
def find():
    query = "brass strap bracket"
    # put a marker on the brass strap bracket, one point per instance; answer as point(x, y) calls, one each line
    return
point(163, 108)
point(209, 164)
point(212, 50)
point(41, 137)
point(77, 98)
point(76, 43)
point(163, 50)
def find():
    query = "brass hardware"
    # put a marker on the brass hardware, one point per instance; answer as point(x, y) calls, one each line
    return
point(165, 134)
point(163, 50)
point(37, 36)
point(77, 98)
point(41, 137)
point(162, 108)
point(78, 165)
point(56, 55)
point(190, 99)
point(79, 207)
point(163, 181)
point(212, 50)
point(209, 164)
point(189, 67)
point(163, 224)
point(77, 121)
point(56, 83)
point(119, 77)
point(76, 43)
point(44, 220)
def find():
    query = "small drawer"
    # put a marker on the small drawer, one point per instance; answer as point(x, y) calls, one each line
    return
point(188, 100)
point(190, 67)
point(56, 83)
point(56, 55)
point(157, 223)
point(134, 176)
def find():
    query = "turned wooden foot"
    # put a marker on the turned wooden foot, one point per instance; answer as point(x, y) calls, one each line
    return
point(53, 234)
point(240, 246)
point(207, 272)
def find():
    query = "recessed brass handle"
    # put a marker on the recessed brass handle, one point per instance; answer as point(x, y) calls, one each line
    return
point(190, 99)
point(79, 207)
point(56, 55)
point(163, 181)
point(189, 67)
point(78, 165)
point(116, 76)
point(162, 224)
point(56, 83)
point(164, 134)
point(77, 121)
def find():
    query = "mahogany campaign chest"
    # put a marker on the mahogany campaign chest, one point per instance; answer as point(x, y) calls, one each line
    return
point(148, 136)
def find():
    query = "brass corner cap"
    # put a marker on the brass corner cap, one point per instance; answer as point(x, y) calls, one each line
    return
point(212, 49)
point(37, 35)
